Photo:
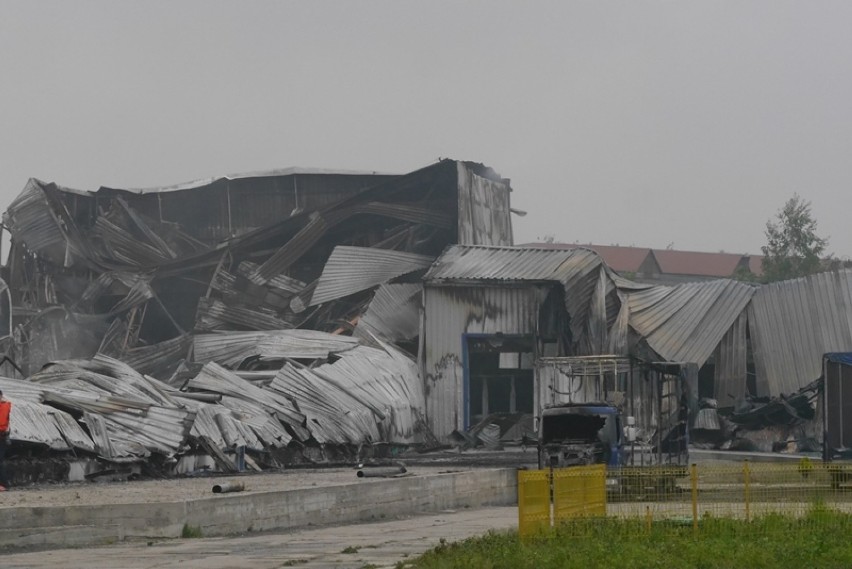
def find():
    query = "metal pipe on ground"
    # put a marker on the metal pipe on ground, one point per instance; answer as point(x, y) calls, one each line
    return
point(228, 487)
point(381, 472)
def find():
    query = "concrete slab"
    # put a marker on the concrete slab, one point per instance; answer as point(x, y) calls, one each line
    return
point(381, 544)
point(229, 514)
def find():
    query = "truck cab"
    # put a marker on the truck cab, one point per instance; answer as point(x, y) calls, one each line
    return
point(579, 434)
point(613, 410)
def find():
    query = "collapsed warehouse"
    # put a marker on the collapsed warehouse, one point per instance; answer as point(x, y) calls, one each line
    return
point(234, 312)
point(310, 316)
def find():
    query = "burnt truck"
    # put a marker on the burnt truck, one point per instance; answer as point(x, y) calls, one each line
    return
point(613, 410)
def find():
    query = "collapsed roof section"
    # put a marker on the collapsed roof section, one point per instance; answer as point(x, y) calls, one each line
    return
point(237, 296)
point(135, 273)
point(102, 406)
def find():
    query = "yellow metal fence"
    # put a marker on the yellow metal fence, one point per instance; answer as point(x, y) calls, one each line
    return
point(682, 496)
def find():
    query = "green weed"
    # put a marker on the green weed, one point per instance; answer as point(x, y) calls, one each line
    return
point(190, 532)
point(819, 539)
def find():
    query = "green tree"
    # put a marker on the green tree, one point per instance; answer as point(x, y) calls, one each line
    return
point(793, 248)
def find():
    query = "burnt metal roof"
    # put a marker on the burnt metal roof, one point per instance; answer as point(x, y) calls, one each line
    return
point(793, 323)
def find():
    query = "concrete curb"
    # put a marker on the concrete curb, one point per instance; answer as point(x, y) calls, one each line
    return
point(227, 514)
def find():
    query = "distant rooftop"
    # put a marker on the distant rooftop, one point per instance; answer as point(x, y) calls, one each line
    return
point(697, 263)
point(669, 261)
point(621, 259)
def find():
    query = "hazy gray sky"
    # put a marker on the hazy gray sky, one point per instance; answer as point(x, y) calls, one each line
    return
point(637, 123)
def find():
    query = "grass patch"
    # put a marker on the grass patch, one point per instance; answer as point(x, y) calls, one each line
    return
point(294, 562)
point(351, 549)
point(819, 539)
point(190, 532)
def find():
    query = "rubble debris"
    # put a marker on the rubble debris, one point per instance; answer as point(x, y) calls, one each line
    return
point(496, 429)
point(758, 412)
point(153, 324)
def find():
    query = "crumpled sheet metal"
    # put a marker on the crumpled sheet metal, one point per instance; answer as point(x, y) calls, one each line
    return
point(216, 379)
point(687, 322)
point(237, 422)
point(364, 382)
point(230, 349)
point(34, 422)
point(215, 314)
point(125, 411)
point(353, 269)
point(332, 415)
point(393, 314)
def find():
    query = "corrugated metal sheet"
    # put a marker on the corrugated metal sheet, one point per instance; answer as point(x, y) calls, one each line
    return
point(216, 379)
point(232, 348)
point(71, 430)
point(393, 314)
point(408, 213)
point(161, 359)
point(31, 221)
point(222, 426)
point(214, 314)
point(123, 246)
point(281, 260)
point(731, 364)
point(484, 209)
point(685, 323)
point(368, 395)
point(333, 415)
point(127, 413)
point(468, 263)
point(793, 323)
point(104, 375)
point(33, 423)
point(452, 312)
point(353, 269)
point(590, 296)
point(281, 282)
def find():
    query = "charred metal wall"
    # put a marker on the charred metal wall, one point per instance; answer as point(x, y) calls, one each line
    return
point(484, 209)
point(793, 323)
point(230, 207)
point(732, 364)
point(450, 313)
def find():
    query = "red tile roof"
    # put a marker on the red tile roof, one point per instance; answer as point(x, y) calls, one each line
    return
point(698, 264)
point(621, 259)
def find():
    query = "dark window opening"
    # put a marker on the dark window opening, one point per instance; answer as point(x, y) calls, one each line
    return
point(500, 373)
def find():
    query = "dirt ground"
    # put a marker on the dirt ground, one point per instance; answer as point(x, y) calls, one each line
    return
point(179, 489)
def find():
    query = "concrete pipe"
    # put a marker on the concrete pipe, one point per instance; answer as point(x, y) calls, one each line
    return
point(228, 487)
point(381, 472)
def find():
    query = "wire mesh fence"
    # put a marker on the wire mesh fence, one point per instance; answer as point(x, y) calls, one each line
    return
point(774, 496)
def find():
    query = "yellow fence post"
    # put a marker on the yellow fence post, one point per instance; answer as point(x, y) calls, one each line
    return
point(579, 491)
point(533, 502)
point(747, 489)
point(693, 475)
